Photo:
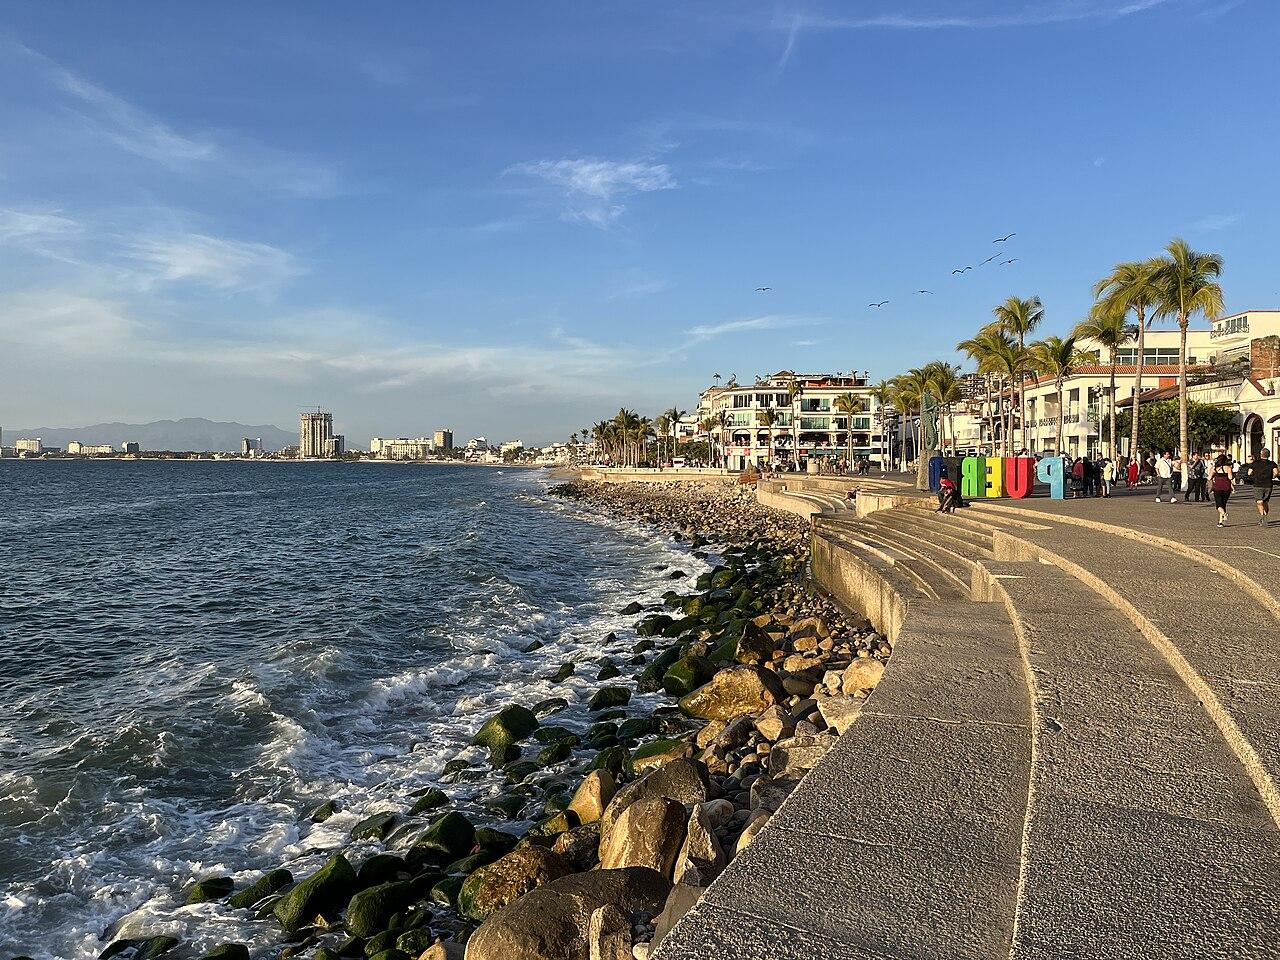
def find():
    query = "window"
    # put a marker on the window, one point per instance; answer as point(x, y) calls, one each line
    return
point(741, 400)
point(1150, 356)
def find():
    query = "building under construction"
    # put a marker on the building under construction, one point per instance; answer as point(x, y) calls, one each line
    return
point(316, 438)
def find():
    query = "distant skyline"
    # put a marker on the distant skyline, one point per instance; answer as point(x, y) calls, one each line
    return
point(514, 219)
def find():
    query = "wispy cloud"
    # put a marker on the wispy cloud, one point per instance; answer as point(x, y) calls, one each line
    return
point(594, 188)
point(1038, 14)
point(111, 118)
point(213, 261)
point(705, 332)
point(1216, 221)
point(637, 283)
point(27, 224)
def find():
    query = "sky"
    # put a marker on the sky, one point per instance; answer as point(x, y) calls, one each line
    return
point(512, 219)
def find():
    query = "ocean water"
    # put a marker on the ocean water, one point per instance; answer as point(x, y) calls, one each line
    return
point(194, 655)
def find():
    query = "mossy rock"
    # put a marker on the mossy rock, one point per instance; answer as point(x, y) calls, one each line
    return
point(376, 827)
point(650, 680)
point(453, 768)
point(643, 645)
point(692, 606)
point(392, 954)
point(415, 942)
point(631, 609)
point(324, 893)
point(633, 729)
point(686, 675)
point(555, 753)
point(430, 799)
point(681, 626)
point(563, 673)
point(653, 625)
point(599, 732)
point(155, 947)
point(324, 953)
point(607, 697)
point(556, 801)
point(468, 865)
point(115, 948)
point(548, 706)
point(617, 760)
point(504, 881)
point(722, 577)
point(655, 753)
point(608, 670)
point(501, 756)
point(323, 812)
point(370, 910)
point(260, 889)
point(209, 890)
point(505, 728)
point(507, 806)
point(381, 868)
point(555, 824)
point(448, 838)
point(229, 951)
point(554, 734)
point(533, 647)
point(491, 839)
point(520, 771)
point(445, 892)
point(617, 713)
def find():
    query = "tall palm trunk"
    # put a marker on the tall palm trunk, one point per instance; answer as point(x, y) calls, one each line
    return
point(1137, 383)
point(1114, 452)
point(1184, 439)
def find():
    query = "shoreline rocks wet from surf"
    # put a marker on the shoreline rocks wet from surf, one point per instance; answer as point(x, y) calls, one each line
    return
point(629, 817)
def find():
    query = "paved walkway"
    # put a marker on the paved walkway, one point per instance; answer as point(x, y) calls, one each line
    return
point(1074, 752)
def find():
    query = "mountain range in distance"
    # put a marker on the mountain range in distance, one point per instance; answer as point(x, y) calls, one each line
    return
point(189, 433)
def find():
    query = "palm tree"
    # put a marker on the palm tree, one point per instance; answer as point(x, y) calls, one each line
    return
point(944, 385)
point(1057, 358)
point(882, 395)
point(794, 392)
point(1188, 284)
point(1018, 318)
point(984, 349)
point(1131, 287)
point(722, 422)
point(849, 404)
point(1108, 328)
point(767, 419)
point(911, 389)
point(1010, 361)
point(674, 416)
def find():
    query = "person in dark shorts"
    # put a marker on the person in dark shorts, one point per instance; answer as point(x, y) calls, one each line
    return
point(1262, 472)
point(1220, 481)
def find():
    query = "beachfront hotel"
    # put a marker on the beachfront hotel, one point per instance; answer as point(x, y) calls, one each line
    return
point(1232, 363)
point(790, 418)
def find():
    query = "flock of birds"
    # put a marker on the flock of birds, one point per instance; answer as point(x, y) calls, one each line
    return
point(958, 271)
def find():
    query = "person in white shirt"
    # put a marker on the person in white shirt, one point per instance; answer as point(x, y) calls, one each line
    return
point(1164, 471)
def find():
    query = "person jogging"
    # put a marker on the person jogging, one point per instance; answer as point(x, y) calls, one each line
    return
point(1220, 483)
point(1262, 472)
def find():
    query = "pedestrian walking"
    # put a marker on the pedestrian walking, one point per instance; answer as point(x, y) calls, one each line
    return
point(1108, 476)
point(1220, 482)
point(1164, 476)
point(1131, 475)
point(1200, 473)
point(1262, 472)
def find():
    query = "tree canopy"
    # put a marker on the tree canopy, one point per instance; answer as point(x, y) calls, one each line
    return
point(1158, 425)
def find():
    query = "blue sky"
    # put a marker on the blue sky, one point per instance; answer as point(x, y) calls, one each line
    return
point(514, 218)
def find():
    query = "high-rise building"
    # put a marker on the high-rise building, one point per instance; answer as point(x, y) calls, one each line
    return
point(314, 429)
point(251, 447)
point(443, 441)
point(131, 448)
point(28, 445)
point(335, 447)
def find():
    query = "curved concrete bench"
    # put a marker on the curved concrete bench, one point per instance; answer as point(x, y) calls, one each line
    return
point(1061, 763)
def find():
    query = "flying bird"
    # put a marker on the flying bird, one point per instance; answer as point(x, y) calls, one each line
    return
point(1003, 239)
point(965, 270)
point(880, 304)
point(1007, 262)
point(763, 289)
point(929, 292)
point(988, 260)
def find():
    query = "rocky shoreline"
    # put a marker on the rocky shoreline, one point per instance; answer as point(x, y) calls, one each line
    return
point(640, 811)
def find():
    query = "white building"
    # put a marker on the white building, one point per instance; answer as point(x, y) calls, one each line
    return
point(402, 448)
point(28, 446)
point(791, 418)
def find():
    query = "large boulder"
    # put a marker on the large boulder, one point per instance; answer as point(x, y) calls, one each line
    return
point(508, 878)
point(370, 910)
point(734, 691)
point(593, 795)
point(325, 893)
point(701, 858)
point(260, 889)
point(655, 753)
point(209, 889)
point(754, 645)
point(580, 846)
point(551, 922)
point(684, 781)
point(861, 676)
point(448, 838)
point(649, 833)
point(506, 728)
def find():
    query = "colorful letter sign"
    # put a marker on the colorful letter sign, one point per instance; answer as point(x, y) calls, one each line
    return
point(996, 477)
point(1050, 471)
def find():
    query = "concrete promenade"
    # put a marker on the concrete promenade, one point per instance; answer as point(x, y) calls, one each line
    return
point(1073, 753)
